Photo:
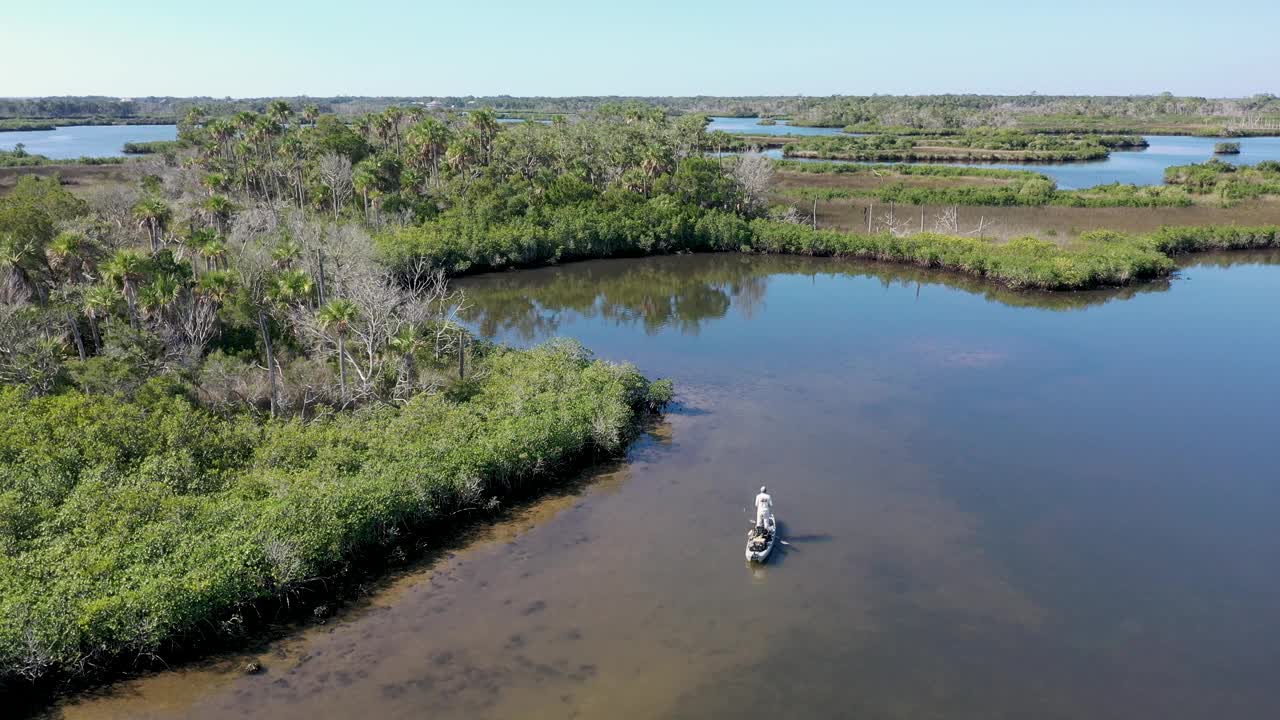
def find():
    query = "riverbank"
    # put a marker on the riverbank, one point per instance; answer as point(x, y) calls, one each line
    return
point(160, 526)
point(35, 124)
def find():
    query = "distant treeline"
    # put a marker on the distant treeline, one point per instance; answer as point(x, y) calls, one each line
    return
point(1040, 112)
point(1258, 114)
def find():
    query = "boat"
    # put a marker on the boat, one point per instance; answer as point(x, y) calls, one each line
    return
point(760, 543)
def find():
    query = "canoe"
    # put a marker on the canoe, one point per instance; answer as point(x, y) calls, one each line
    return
point(758, 546)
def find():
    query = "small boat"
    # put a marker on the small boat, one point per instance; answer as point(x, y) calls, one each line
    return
point(760, 542)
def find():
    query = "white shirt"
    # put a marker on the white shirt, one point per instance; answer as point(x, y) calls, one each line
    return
point(764, 500)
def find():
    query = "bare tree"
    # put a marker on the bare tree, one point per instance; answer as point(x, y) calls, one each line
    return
point(899, 227)
point(335, 173)
point(982, 227)
point(754, 174)
point(948, 221)
point(196, 320)
point(391, 326)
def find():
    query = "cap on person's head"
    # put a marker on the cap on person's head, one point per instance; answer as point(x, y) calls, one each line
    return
point(762, 488)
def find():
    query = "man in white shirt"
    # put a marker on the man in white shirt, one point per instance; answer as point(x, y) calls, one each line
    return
point(764, 507)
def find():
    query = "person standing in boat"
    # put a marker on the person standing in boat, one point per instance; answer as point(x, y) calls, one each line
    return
point(764, 508)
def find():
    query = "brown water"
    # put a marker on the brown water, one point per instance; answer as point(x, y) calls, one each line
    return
point(999, 506)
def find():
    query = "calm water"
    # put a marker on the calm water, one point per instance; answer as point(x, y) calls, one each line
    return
point(1146, 167)
point(999, 506)
point(67, 143)
point(1137, 167)
point(752, 126)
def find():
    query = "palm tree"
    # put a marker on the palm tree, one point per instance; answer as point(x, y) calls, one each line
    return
point(279, 112)
point(99, 302)
point(338, 314)
point(69, 254)
point(485, 123)
point(284, 254)
point(217, 285)
point(153, 215)
point(406, 344)
point(158, 296)
point(193, 244)
point(391, 122)
point(428, 139)
point(290, 288)
point(126, 269)
point(223, 131)
point(218, 210)
point(364, 178)
point(22, 266)
point(310, 114)
point(214, 251)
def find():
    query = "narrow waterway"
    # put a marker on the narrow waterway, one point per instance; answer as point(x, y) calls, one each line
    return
point(998, 505)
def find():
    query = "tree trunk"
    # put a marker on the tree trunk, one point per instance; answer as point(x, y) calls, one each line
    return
point(131, 300)
point(342, 368)
point(462, 345)
point(93, 330)
point(75, 335)
point(271, 359)
point(320, 275)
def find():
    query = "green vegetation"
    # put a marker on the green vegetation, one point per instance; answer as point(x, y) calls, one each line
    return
point(1231, 183)
point(153, 147)
point(950, 171)
point(244, 372)
point(131, 525)
point(1226, 148)
point(1031, 192)
point(980, 145)
point(1096, 259)
point(1024, 188)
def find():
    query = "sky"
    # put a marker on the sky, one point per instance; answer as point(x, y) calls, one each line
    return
point(243, 48)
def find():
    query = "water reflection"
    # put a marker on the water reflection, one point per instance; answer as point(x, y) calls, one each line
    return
point(686, 292)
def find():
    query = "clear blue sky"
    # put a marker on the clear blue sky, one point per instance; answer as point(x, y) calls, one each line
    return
point(651, 47)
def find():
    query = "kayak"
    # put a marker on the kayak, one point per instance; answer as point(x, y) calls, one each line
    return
point(759, 545)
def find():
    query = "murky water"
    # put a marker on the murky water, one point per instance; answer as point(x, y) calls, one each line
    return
point(999, 506)
point(69, 143)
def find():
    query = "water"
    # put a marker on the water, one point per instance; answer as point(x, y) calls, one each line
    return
point(1146, 167)
point(752, 126)
point(999, 506)
point(77, 141)
point(1137, 167)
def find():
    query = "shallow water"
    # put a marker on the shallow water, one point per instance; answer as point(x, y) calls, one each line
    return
point(752, 126)
point(999, 505)
point(69, 143)
point(1135, 167)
